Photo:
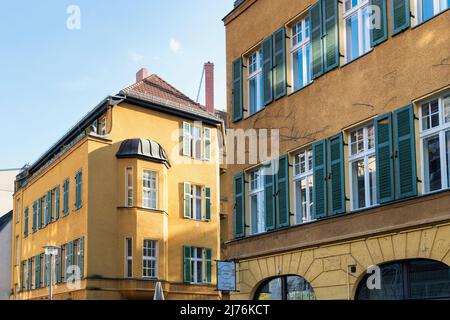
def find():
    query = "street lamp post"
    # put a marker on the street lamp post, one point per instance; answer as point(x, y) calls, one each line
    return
point(50, 252)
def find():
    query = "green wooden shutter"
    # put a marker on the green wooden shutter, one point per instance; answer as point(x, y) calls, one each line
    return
point(187, 208)
point(208, 204)
point(80, 256)
point(37, 271)
point(40, 213)
point(282, 192)
point(208, 260)
point(78, 189)
point(34, 216)
point(337, 175)
point(400, 16)
point(25, 231)
point(269, 201)
point(267, 64)
point(187, 139)
point(239, 206)
point(320, 180)
point(279, 63)
point(315, 14)
point(58, 266)
point(237, 99)
point(22, 268)
point(384, 158)
point(187, 264)
point(379, 35)
point(330, 15)
point(57, 197)
point(48, 208)
point(405, 152)
point(29, 273)
point(66, 198)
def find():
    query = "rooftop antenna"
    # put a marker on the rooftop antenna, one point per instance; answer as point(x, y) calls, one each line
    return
point(200, 86)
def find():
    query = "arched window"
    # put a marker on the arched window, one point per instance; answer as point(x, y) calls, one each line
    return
point(411, 279)
point(285, 288)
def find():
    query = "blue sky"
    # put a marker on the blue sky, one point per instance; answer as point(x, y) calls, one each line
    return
point(51, 76)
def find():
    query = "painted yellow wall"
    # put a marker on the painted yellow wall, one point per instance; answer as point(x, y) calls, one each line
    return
point(105, 222)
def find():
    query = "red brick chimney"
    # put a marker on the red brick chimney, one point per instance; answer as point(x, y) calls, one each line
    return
point(141, 74)
point(209, 86)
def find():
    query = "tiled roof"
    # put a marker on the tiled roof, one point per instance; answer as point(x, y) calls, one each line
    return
point(154, 89)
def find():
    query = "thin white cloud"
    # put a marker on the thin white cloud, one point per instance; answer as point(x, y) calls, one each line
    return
point(174, 45)
point(134, 56)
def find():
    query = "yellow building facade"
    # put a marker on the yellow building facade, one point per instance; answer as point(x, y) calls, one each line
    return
point(364, 136)
point(130, 196)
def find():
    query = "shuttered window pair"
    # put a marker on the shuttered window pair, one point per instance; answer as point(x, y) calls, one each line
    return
point(193, 199)
point(269, 206)
point(196, 142)
point(266, 76)
point(197, 265)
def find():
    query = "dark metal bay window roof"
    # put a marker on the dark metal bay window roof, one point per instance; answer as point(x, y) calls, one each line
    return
point(145, 149)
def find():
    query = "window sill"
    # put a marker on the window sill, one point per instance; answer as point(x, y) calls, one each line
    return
point(196, 220)
point(143, 209)
point(356, 59)
point(147, 278)
point(300, 89)
point(418, 24)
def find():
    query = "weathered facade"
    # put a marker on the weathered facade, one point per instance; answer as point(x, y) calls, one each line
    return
point(128, 201)
point(364, 168)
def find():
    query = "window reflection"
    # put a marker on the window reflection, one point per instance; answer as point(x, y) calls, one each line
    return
point(285, 288)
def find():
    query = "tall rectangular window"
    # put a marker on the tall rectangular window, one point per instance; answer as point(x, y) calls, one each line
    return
point(303, 186)
point(17, 246)
point(128, 257)
point(197, 143)
point(66, 197)
point(197, 265)
point(187, 139)
point(25, 227)
point(301, 53)
point(197, 202)
point(150, 259)
point(78, 194)
point(18, 210)
point(255, 92)
point(435, 143)
point(149, 189)
point(129, 187)
point(426, 9)
point(363, 168)
point(256, 195)
point(103, 126)
point(357, 28)
point(207, 144)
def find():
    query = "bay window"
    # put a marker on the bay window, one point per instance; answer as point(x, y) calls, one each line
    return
point(426, 9)
point(128, 258)
point(435, 143)
point(256, 195)
point(303, 186)
point(357, 28)
point(363, 168)
point(149, 189)
point(255, 99)
point(301, 54)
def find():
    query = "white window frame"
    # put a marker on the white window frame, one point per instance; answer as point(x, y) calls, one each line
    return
point(129, 188)
point(440, 131)
point(197, 143)
point(255, 74)
point(257, 192)
point(438, 6)
point(153, 258)
point(194, 268)
point(364, 155)
point(150, 190)
point(194, 198)
point(301, 46)
point(207, 144)
point(358, 9)
point(103, 126)
point(298, 177)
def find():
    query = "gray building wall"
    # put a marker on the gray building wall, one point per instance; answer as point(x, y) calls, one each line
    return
point(5, 260)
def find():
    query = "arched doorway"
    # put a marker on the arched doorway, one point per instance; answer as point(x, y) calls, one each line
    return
point(285, 288)
point(410, 279)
